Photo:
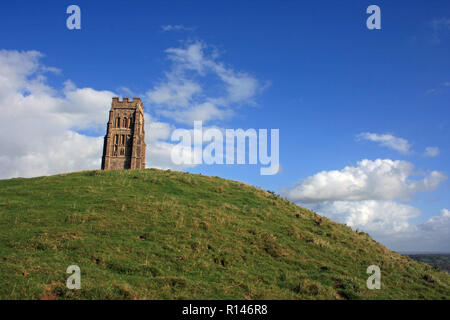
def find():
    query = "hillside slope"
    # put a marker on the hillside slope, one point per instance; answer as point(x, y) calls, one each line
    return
point(153, 234)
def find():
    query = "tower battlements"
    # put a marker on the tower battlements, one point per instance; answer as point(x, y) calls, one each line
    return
point(127, 103)
point(126, 100)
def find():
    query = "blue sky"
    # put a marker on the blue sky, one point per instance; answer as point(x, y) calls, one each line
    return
point(321, 77)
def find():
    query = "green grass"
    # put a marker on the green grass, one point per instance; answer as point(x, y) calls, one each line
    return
point(153, 234)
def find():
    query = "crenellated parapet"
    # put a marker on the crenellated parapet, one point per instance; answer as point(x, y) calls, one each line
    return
point(126, 103)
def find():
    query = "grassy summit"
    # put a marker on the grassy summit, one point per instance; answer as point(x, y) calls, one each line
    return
point(152, 234)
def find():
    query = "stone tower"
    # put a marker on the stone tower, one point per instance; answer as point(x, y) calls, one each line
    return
point(124, 144)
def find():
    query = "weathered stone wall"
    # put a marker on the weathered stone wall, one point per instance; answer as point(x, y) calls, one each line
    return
point(124, 143)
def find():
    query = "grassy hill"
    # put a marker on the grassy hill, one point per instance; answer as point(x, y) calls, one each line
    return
point(153, 234)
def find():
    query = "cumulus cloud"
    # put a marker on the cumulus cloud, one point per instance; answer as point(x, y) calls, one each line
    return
point(62, 130)
point(431, 152)
point(381, 179)
point(389, 222)
point(40, 132)
point(65, 152)
point(438, 223)
point(370, 197)
point(431, 235)
point(387, 140)
point(159, 149)
point(182, 95)
point(374, 216)
point(176, 92)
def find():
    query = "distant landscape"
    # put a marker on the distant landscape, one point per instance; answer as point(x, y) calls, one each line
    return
point(437, 260)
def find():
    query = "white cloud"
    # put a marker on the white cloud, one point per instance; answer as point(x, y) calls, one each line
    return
point(39, 134)
point(431, 235)
point(176, 27)
point(381, 179)
point(159, 150)
point(52, 122)
point(47, 154)
point(387, 140)
point(182, 95)
point(389, 223)
point(159, 156)
point(431, 152)
point(176, 92)
point(437, 223)
point(366, 197)
point(378, 217)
